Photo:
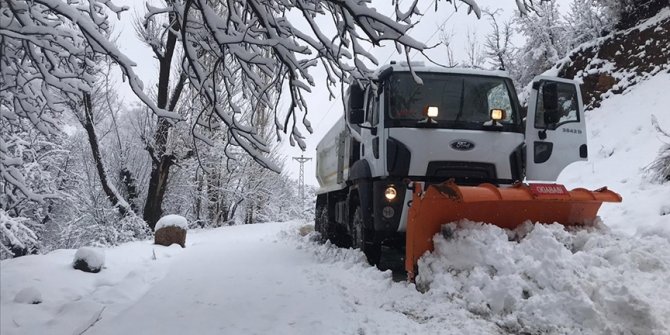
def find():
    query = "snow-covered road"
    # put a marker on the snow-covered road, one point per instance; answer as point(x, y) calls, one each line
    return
point(253, 279)
point(265, 279)
point(235, 280)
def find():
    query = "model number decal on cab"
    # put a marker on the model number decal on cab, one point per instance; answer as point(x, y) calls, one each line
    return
point(572, 131)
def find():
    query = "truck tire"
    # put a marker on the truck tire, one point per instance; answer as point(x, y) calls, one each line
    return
point(363, 238)
point(321, 224)
point(329, 230)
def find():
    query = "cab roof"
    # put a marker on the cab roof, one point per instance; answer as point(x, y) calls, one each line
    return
point(421, 67)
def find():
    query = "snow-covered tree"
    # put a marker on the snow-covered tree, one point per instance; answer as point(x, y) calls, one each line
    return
point(446, 38)
point(624, 14)
point(546, 40)
point(498, 46)
point(17, 236)
point(250, 35)
point(47, 52)
point(474, 55)
point(586, 21)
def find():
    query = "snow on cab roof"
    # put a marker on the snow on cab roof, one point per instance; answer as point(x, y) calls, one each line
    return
point(421, 67)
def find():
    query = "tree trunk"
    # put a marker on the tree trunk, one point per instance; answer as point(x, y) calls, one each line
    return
point(113, 197)
point(198, 197)
point(130, 184)
point(212, 198)
point(160, 172)
point(161, 161)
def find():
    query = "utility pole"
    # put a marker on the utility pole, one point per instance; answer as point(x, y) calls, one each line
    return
point(301, 181)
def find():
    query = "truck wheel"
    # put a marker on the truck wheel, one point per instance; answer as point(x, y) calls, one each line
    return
point(363, 238)
point(321, 224)
point(329, 230)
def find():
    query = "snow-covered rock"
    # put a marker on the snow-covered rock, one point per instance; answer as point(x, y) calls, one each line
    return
point(171, 229)
point(28, 295)
point(89, 259)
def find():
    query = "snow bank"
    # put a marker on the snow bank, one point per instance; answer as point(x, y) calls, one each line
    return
point(172, 220)
point(553, 280)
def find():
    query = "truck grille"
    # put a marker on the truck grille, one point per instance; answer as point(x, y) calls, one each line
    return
point(465, 173)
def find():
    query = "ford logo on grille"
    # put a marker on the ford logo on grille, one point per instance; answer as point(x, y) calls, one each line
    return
point(462, 145)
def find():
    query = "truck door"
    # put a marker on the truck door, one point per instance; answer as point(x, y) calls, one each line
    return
point(555, 128)
point(373, 146)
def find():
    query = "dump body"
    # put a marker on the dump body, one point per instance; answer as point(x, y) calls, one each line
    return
point(332, 162)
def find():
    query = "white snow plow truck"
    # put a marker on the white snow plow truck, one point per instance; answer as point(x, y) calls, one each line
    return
point(414, 152)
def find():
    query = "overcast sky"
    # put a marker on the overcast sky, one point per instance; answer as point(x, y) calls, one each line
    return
point(324, 113)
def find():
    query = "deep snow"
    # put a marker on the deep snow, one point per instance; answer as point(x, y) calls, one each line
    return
point(266, 278)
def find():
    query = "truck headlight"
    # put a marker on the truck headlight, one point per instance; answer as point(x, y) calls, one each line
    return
point(390, 193)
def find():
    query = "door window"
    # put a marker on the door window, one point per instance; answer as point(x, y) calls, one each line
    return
point(566, 110)
point(373, 108)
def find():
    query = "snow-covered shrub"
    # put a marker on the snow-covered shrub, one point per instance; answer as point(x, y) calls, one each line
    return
point(89, 259)
point(17, 237)
point(131, 228)
point(99, 227)
point(659, 170)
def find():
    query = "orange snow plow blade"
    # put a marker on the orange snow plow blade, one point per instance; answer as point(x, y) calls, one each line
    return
point(504, 207)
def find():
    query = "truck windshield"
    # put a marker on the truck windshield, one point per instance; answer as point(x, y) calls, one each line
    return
point(462, 101)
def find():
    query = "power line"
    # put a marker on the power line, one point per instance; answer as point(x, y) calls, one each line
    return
point(441, 25)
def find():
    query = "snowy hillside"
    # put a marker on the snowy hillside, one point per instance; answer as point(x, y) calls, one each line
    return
point(267, 278)
point(622, 143)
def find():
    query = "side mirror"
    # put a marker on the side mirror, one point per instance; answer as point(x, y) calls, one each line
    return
point(356, 116)
point(550, 103)
point(550, 96)
point(356, 104)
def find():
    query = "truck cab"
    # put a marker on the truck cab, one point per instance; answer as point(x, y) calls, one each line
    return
point(429, 124)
